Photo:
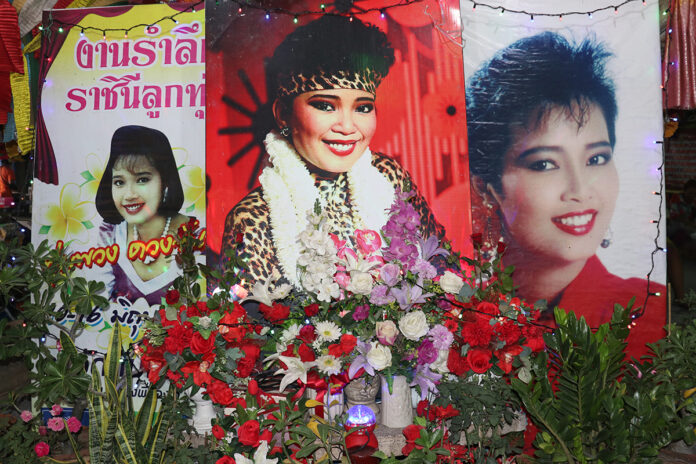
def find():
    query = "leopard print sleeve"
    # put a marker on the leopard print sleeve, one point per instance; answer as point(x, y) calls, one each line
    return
point(398, 177)
point(250, 218)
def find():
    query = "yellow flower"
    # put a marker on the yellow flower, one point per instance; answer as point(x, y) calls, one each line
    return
point(69, 217)
point(92, 175)
point(194, 189)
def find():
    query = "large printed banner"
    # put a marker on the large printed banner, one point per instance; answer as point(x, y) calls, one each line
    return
point(121, 150)
point(564, 131)
point(420, 114)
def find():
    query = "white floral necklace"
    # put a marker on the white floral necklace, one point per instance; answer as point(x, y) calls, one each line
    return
point(289, 191)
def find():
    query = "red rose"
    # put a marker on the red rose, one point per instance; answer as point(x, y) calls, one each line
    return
point(506, 356)
point(479, 359)
point(172, 296)
point(249, 433)
point(229, 325)
point(177, 339)
point(238, 402)
point(311, 310)
point(335, 350)
point(456, 363)
point(41, 449)
point(226, 460)
point(246, 365)
point(200, 345)
point(253, 387)
point(275, 313)
point(218, 432)
point(308, 334)
point(477, 239)
point(220, 393)
point(306, 353)
point(348, 343)
point(445, 413)
point(412, 433)
point(266, 436)
point(166, 322)
point(192, 311)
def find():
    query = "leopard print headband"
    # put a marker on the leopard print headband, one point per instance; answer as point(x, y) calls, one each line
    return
point(295, 84)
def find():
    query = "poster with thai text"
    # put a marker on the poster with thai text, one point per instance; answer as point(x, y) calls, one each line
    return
point(120, 151)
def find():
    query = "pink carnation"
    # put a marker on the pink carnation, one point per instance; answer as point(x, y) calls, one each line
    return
point(56, 424)
point(26, 416)
point(74, 425)
point(56, 410)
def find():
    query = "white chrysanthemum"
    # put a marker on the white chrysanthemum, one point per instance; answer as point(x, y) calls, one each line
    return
point(329, 365)
point(290, 334)
point(328, 331)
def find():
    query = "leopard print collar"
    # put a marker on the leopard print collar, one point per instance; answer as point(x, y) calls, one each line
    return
point(290, 192)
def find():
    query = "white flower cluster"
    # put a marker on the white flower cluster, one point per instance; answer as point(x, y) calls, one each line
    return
point(317, 260)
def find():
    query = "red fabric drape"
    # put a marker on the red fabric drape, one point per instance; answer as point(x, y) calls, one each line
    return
point(10, 55)
point(679, 68)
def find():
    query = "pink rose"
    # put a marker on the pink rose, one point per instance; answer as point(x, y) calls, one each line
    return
point(74, 425)
point(41, 449)
point(26, 416)
point(386, 332)
point(56, 410)
point(368, 241)
point(56, 424)
point(342, 279)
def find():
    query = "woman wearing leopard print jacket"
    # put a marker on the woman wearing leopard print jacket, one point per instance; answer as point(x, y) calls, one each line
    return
point(326, 74)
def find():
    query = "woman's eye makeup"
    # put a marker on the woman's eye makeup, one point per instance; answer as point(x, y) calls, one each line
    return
point(365, 108)
point(322, 105)
point(541, 165)
point(117, 182)
point(143, 179)
point(599, 159)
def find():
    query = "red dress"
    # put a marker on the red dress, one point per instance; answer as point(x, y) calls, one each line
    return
point(594, 292)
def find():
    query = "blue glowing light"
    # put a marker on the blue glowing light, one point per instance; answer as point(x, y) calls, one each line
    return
point(361, 415)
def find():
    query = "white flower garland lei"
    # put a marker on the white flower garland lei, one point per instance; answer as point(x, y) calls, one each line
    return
point(289, 191)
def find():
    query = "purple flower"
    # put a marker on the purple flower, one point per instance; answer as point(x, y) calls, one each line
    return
point(407, 296)
point(424, 269)
point(401, 250)
point(441, 337)
point(361, 312)
point(429, 247)
point(444, 304)
point(389, 273)
point(427, 353)
point(380, 295)
point(360, 360)
point(426, 380)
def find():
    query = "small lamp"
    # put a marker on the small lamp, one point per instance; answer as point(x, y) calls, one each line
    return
point(362, 442)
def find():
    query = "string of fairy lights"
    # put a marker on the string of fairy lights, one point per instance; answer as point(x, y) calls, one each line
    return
point(349, 8)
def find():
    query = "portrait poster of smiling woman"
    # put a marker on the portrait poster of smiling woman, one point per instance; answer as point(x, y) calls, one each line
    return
point(339, 108)
point(120, 140)
point(563, 115)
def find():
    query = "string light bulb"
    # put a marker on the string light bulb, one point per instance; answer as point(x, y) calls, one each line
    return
point(60, 30)
point(502, 10)
point(590, 15)
point(268, 16)
point(474, 8)
point(82, 33)
point(616, 10)
point(295, 19)
point(125, 34)
point(381, 14)
point(531, 17)
point(560, 17)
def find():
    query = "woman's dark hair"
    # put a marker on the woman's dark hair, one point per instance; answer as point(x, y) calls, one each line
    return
point(132, 141)
point(522, 84)
point(330, 44)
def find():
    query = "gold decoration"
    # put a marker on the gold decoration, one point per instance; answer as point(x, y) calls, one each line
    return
point(22, 109)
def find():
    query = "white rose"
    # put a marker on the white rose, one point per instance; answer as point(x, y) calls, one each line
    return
point(440, 364)
point(361, 283)
point(414, 325)
point(379, 356)
point(451, 282)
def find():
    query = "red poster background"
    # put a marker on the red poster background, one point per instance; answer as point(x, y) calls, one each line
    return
point(420, 105)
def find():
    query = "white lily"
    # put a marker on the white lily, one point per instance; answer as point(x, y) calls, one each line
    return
point(297, 370)
point(259, 456)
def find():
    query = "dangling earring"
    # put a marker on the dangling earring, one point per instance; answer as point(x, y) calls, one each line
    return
point(607, 240)
point(164, 195)
point(285, 131)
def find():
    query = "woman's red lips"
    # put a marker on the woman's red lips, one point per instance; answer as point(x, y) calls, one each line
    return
point(134, 208)
point(341, 148)
point(576, 223)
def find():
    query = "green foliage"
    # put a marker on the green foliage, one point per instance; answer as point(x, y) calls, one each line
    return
point(118, 434)
point(592, 406)
point(17, 443)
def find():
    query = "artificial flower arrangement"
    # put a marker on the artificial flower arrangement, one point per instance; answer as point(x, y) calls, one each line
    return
point(384, 307)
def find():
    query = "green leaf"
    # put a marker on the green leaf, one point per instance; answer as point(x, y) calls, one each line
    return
point(44, 229)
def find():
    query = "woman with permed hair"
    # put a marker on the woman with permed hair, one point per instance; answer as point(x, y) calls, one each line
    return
point(325, 75)
point(139, 198)
point(541, 119)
